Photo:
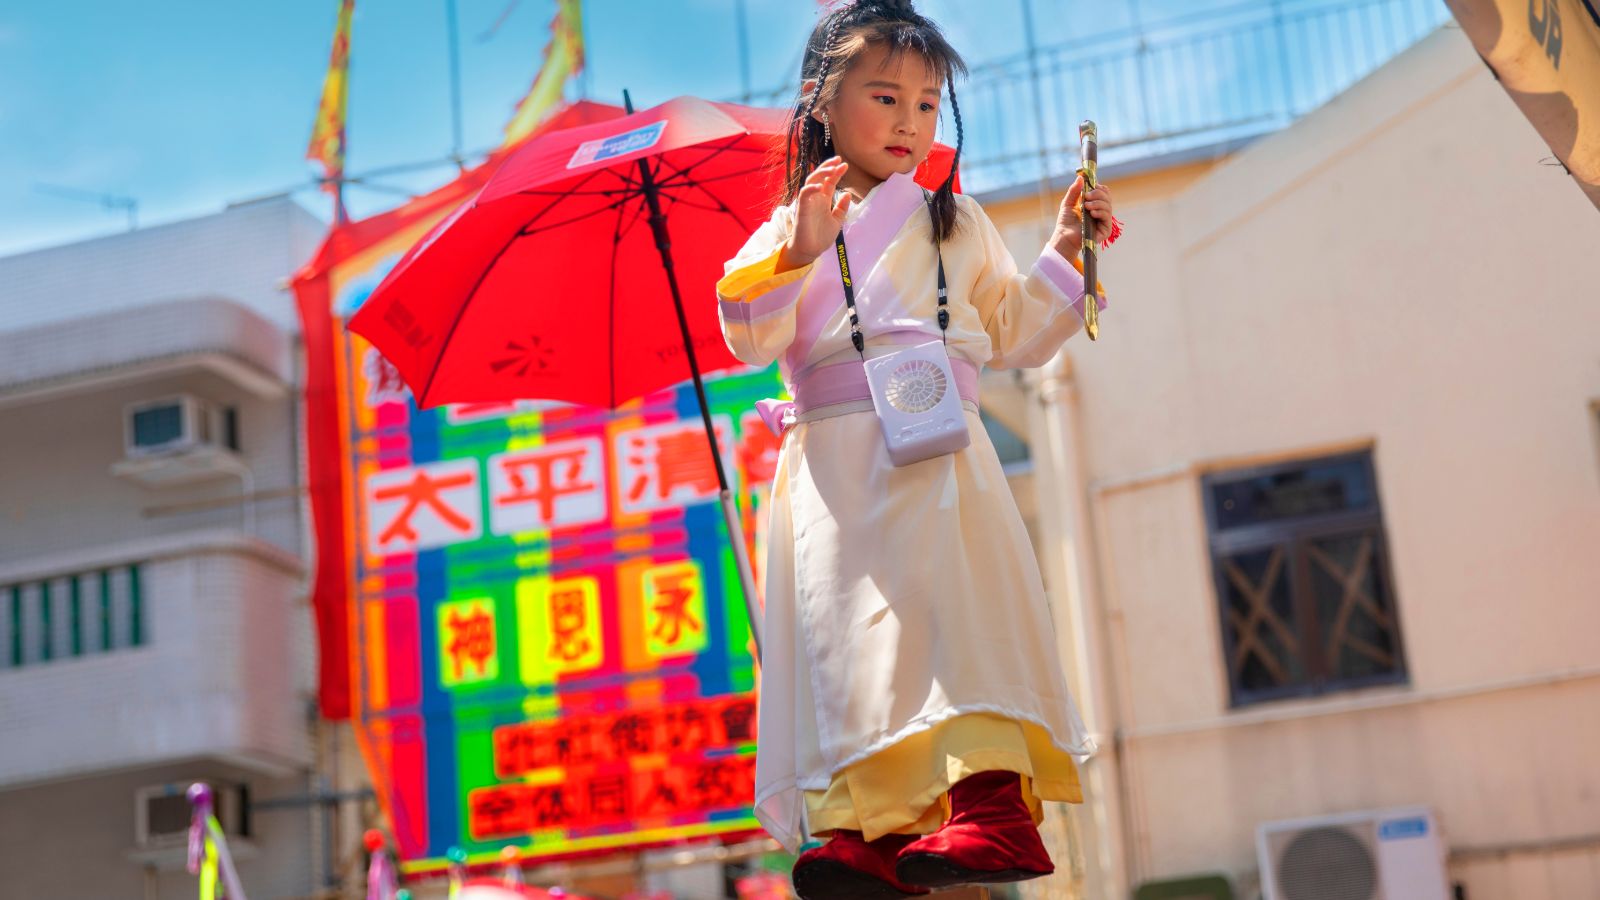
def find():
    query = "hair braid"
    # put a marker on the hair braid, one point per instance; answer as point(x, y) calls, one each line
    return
point(827, 61)
point(810, 152)
point(834, 43)
point(944, 201)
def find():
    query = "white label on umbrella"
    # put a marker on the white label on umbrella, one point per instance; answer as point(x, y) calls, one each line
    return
point(590, 152)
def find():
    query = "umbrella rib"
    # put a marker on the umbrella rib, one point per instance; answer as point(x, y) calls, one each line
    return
point(638, 213)
point(629, 186)
point(587, 214)
point(461, 310)
point(729, 176)
point(682, 175)
point(715, 152)
point(676, 200)
point(533, 192)
point(562, 194)
point(611, 314)
point(723, 207)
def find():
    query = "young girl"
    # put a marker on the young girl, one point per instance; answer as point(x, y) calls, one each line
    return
point(913, 706)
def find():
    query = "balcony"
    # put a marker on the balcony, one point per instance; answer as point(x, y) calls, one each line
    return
point(188, 646)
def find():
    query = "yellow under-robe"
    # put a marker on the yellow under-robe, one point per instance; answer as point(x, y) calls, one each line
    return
point(900, 790)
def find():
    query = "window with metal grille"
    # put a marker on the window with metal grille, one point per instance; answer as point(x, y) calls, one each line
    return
point(74, 615)
point(1302, 575)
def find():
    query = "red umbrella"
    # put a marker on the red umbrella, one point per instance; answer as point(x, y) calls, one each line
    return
point(549, 283)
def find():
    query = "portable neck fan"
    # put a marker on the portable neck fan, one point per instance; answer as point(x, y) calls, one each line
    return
point(914, 393)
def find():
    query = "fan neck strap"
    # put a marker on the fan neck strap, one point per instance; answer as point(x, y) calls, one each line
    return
point(856, 337)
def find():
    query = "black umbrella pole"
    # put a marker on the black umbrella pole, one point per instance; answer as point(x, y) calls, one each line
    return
point(658, 227)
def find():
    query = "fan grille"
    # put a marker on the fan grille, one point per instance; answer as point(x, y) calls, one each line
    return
point(917, 386)
point(1328, 863)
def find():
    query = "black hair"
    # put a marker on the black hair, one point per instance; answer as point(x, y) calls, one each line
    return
point(838, 38)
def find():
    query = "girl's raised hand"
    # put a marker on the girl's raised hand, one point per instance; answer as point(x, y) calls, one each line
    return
point(817, 217)
point(1068, 239)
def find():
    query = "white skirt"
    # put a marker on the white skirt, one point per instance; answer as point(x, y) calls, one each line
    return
point(896, 598)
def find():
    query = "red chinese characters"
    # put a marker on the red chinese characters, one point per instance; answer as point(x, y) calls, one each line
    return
point(571, 636)
point(423, 507)
point(674, 609)
point(557, 485)
point(670, 465)
point(468, 643)
point(695, 728)
point(597, 797)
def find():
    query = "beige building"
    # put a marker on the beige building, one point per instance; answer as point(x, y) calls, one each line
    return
point(1320, 509)
point(153, 624)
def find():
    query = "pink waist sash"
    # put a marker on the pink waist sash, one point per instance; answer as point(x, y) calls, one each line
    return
point(841, 383)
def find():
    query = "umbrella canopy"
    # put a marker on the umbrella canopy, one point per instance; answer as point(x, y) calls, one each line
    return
point(1546, 54)
point(549, 284)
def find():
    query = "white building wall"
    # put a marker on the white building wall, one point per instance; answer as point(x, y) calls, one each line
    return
point(223, 684)
point(71, 841)
point(59, 493)
point(245, 252)
point(1399, 271)
point(220, 672)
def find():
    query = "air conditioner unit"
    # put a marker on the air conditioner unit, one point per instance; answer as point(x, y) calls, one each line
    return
point(178, 440)
point(1391, 854)
point(161, 813)
point(175, 425)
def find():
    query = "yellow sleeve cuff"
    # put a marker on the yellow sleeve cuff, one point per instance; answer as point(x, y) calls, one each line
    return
point(745, 284)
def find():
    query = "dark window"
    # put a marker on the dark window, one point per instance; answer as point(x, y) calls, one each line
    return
point(1302, 572)
point(157, 425)
point(72, 615)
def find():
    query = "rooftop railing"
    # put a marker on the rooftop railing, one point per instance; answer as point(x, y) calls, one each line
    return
point(1190, 81)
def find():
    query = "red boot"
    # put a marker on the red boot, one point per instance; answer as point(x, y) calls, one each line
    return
point(849, 868)
point(989, 839)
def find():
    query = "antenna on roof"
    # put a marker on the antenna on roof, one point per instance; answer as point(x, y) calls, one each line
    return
point(109, 201)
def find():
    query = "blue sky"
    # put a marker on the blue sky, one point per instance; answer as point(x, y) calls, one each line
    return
point(187, 105)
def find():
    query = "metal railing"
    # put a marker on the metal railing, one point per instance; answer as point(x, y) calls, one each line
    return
point(1182, 83)
point(72, 615)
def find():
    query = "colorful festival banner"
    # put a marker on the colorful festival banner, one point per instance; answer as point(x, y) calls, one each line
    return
point(327, 146)
point(543, 617)
point(563, 58)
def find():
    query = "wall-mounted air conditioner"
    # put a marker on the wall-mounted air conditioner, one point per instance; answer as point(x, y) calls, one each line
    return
point(178, 440)
point(174, 425)
point(161, 813)
point(161, 823)
point(1391, 854)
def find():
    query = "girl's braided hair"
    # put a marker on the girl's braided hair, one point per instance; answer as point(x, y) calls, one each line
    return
point(837, 40)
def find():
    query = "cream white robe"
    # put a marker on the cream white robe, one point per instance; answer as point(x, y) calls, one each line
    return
point(896, 598)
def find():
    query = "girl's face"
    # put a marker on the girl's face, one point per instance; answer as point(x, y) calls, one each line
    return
point(884, 115)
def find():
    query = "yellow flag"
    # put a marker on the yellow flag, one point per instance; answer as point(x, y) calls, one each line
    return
point(327, 133)
point(563, 58)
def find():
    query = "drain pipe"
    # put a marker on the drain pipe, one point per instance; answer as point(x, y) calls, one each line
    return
point(1073, 575)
